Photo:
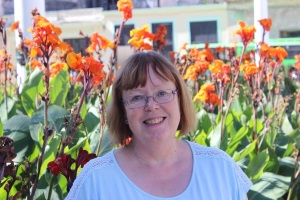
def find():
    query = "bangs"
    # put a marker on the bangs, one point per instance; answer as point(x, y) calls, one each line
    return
point(136, 72)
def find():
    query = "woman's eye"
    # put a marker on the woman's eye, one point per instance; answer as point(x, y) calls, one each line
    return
point(136, 98)
point(161, 93)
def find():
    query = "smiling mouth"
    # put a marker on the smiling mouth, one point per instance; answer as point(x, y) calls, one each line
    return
point(154, 121)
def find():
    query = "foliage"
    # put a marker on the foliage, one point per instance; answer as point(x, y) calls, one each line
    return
point(248, 105)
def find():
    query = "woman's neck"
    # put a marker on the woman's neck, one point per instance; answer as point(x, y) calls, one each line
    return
point(157, 153)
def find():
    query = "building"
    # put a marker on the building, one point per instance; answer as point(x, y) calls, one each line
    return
point(191, 21)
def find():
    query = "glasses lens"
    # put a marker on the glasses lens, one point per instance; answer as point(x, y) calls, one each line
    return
point(163, 96)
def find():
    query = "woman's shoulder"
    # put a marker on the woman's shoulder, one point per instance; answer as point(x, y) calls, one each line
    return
point(201, 151)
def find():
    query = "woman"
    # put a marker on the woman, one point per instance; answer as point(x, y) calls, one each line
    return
point(150, 103)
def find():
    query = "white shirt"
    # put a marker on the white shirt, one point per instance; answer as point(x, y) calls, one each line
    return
point(215, 176)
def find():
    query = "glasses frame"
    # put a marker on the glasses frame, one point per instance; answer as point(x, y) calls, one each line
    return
point(173, 92)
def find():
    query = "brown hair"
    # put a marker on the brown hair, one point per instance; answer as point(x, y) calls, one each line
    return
point(133, 74)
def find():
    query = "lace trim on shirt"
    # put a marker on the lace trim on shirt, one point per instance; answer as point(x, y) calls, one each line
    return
point(105, 161)
point(201, 151)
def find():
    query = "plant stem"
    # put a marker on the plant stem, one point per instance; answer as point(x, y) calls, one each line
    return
point(46, 128)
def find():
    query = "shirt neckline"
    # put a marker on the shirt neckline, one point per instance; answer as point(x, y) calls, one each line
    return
point(152, 196)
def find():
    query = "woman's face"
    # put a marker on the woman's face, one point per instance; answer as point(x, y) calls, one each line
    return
point(154, 121)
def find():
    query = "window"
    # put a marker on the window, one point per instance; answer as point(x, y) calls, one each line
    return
point(289, 34)
point(125, 35)
point(79, 44)
point(169, 36)
point(202, 32)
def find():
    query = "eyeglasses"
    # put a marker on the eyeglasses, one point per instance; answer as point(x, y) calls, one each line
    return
point(161, 96)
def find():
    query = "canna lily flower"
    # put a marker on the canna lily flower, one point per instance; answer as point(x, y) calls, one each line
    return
point(266, 23)
point(159, 36)
point(220, 71)
point(35, 63)
point(206, 94)
point(99, 41)
point(75, 61)
point(280, 54)
point(56, 67)
point(246, 32)
point(139, 36)
point(83, 157)
point(249, 69)
point(14, 26)
point(125, 6)
point(297, 62)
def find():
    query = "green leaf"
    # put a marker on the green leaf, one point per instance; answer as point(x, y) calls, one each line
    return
point(236, 140)
point(204, 122)
point(215, 136)
point(1, 128)
point(17, 128)
point(286, 126)
point(106, 144)
point(270, 136)
point(92, 119)
point(257, 165)
point(201, 138)
point(6, 113)
point(269, 186)
point(59, 87)
point(246, 151)
point(56, 115)
point(32, 87)
point(236, 105)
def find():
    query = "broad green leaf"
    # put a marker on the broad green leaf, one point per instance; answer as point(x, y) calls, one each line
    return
point(246, 151)
point(286, 125)
point(9, 111)
point(1, 128)
point(204, 122)
point(229, 123)
point(201, 138)
point(236, 105)
point(56, 116)
point(236, 140)
point(269, 186)
point(50, 151)
point(273, 164)
point(106, 144)
point(17, 128)
point(270, 136)
point(215, 136)
point(256, 166)
point(287, 166)
point(60, 85)
point(92, 120)
point(32, 87)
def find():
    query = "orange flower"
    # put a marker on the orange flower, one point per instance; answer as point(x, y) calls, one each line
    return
point(99, 41)
point(94, 66)
point(125, 6)
point(216, 67)
point(35, 63)
point(206, 94)
point(220, 71)
point(280, 54)
point(220, 49)
point(266, 23)
point(172, 55)
point(14, 26)
point(246, 32)
point(75, 61)
point(297, 59)
point(138, 37)
point(55, 68)
point(249, 68)
point(159, 36)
